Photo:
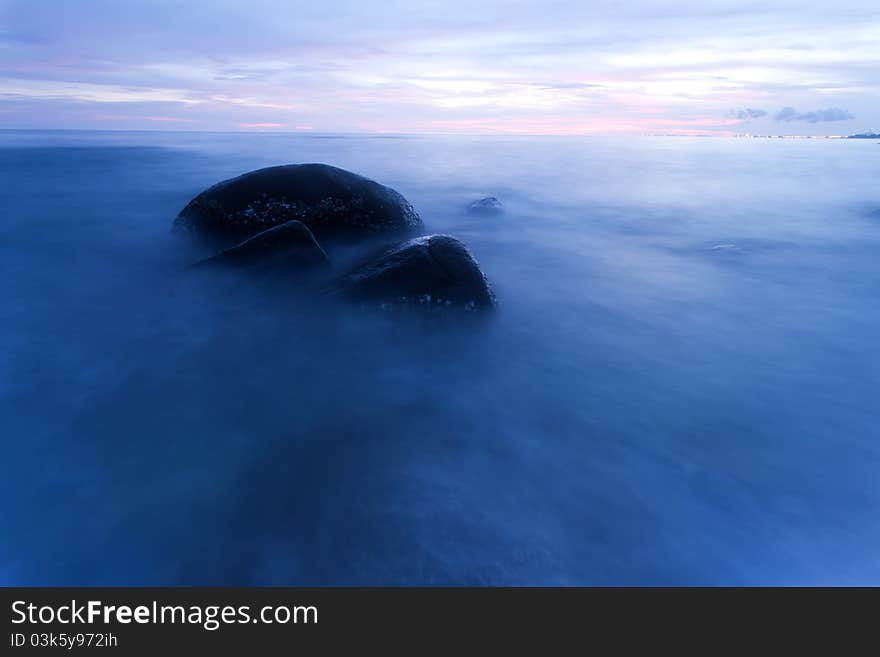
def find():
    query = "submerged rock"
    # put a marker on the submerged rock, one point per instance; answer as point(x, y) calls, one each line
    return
point(435, 270)
point(335, 205)
point(289, 246)
point(488, 205)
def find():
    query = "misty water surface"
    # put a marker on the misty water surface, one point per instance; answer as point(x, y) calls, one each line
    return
point(680, 384)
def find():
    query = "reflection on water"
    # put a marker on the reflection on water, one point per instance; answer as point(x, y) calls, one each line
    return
point(680, 384)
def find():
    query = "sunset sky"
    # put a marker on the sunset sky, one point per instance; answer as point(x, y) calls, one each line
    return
point(553, 67)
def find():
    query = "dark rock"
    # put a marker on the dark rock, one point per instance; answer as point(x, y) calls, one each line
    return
point(436, 270)
point(289, 246)
point(486, 206)
point(334, 204)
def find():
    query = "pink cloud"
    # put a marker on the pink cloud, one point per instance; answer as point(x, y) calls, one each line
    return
point(704, 122)
point(168, 119)
point(567, 126)
point(260, 126)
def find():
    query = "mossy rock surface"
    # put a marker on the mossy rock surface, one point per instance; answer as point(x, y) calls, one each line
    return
point(289, 246)
point(336, 205)
point(436, 271)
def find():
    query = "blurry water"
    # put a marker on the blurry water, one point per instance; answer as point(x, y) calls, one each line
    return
point(680, 385)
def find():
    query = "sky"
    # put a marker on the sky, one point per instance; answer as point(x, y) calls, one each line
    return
point(809, 67)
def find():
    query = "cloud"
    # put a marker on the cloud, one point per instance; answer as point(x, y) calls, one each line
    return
point(568, 85)
point(167, 119)
point(344, 66)
point(746, 114)
point(260, 126)
point(830, 114)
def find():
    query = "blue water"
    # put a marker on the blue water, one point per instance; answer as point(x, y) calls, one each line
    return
point(680, 385)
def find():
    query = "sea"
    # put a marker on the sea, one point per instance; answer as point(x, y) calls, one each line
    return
point(680, 384)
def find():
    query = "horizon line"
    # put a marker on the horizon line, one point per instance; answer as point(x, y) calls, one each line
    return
point(316, 133)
